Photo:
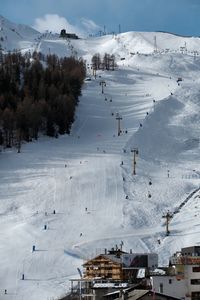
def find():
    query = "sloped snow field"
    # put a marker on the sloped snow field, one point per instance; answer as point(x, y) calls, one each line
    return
point(98, 202)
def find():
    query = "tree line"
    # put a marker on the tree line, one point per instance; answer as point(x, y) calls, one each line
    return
point(38, 93)
point(107, 62)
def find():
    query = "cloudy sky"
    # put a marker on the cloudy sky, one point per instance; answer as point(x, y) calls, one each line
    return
point(178, 16)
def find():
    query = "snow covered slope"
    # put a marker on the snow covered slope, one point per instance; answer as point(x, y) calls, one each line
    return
point(13, 36)
point(97, 200)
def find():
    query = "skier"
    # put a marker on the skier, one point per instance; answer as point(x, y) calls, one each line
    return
point(81, 234)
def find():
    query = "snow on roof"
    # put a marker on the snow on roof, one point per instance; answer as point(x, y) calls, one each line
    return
point(158, 272)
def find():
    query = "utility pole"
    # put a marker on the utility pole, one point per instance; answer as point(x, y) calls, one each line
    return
point(102, 83)
point(119, 28)
point(155, 45)
point(118, 118)
point(185, 47)
point(168, 217)
point(135, 152)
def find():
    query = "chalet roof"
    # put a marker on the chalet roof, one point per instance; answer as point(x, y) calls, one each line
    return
point(133, 295)
point(113, 258)
point(138, 294)
point(129, 289)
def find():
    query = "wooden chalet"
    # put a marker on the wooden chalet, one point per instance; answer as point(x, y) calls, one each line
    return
point(105, 267)
point(111, 271)
point(116, 265)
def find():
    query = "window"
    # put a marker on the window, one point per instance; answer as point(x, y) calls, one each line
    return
point(170, 281)
point(196, 269)
point(161, 288)
point(195, 296)
point(195, 281)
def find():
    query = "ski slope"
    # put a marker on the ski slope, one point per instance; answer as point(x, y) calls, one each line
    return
point(98, 202)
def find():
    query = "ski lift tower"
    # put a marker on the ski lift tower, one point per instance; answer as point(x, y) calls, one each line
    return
point(155, 45)
point(135, 153)
point(168, 216)
point(103, 84)
point(118, 118)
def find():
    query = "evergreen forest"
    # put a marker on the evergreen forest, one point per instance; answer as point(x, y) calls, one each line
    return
point(38, 94)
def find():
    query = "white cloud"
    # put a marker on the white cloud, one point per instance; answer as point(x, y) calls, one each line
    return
point(54, 23)
point(90, 26)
